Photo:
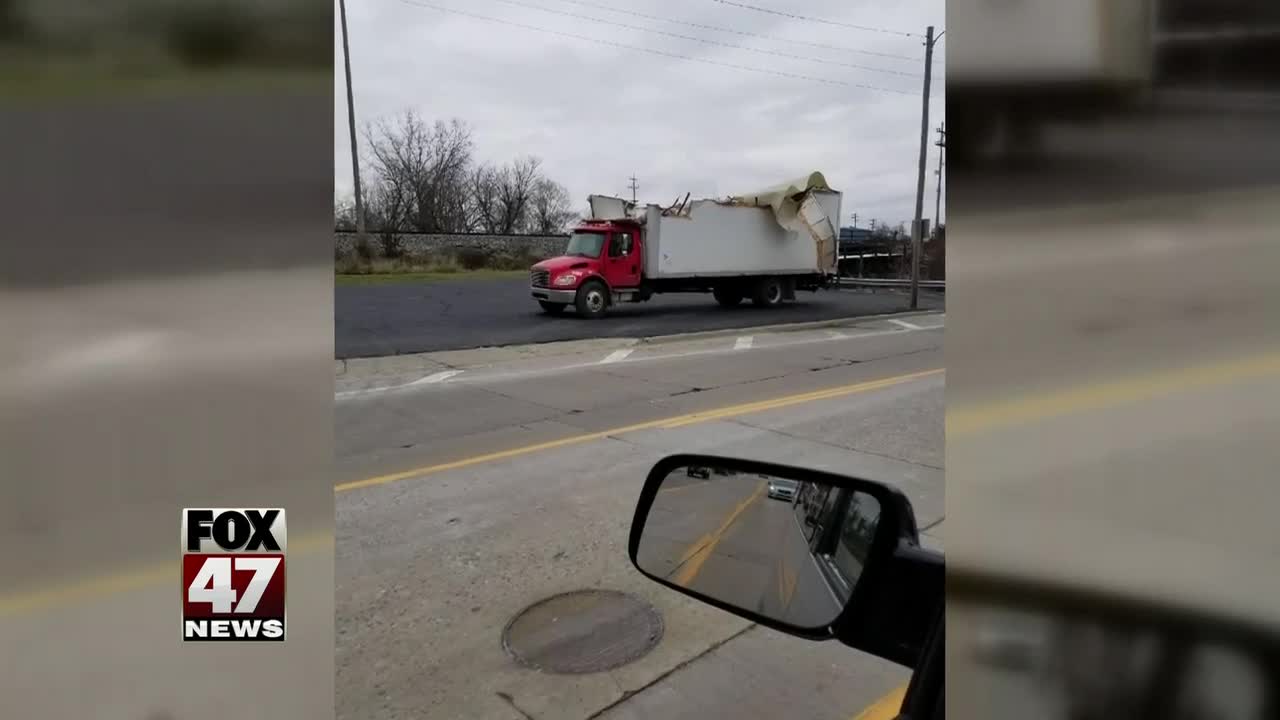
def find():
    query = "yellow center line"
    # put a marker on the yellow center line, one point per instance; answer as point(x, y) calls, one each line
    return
point(664, 423)
point(886, 708)
point(705, 546)
point(1098, 396)
point(787, 580)
point(776, 403)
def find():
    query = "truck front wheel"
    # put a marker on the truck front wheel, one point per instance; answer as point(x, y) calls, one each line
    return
point(767, 293)
point(727, 296)
point(593, 299)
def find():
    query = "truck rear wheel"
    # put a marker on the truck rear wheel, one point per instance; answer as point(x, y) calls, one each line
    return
point(727, 296)
point(551, 308)
point(593, 299)
point(767, 293)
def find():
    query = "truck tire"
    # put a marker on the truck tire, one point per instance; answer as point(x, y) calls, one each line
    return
point(593, 299)
point(767, 293)
point(551, 308)
point(727, 296)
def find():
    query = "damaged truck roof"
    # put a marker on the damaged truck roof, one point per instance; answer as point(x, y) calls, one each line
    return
point(785, 199)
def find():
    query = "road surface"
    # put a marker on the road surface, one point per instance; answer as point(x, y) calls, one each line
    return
point(374, 320)
point(525, 486)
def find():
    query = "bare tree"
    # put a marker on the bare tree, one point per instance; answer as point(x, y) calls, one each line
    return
point(551, 208)
point(419, 173)
point(387, 207)
point(516, 183)
point(422, 178)
point(482, 187)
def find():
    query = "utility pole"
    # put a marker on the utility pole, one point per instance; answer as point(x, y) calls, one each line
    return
point(633, 187)
point(855, 221)
point(937, 204)
point(918, 225)
point(351, 122)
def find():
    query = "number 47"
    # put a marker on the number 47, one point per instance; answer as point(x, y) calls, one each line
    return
point(213, 583)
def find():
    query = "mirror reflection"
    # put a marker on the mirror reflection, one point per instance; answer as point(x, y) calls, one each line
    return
point(789, 550)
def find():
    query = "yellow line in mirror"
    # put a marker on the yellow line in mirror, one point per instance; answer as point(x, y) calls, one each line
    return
point(707, 544)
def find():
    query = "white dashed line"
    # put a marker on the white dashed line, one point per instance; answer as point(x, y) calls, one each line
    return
point(617, 356)
point(744, 342)
point(907, 325)
point(435, 378)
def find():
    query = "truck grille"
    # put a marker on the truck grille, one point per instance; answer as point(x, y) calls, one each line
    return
point(540, 278)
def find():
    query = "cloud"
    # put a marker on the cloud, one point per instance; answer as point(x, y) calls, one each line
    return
point(597, 113)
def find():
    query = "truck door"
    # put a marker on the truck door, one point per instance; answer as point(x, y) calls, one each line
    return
point(622, 261)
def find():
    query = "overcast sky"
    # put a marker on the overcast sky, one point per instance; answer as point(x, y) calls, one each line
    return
point(597, 113)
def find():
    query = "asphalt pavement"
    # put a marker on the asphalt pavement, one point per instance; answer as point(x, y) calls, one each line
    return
point(375, 320)
point(462, 503)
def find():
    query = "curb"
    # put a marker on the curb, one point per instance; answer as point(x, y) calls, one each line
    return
point(622, 342)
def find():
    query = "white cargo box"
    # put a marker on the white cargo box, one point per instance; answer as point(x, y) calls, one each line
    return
point(718, 240)
point(789, 229)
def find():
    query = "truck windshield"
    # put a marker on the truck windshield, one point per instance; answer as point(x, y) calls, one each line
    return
point(586, 244)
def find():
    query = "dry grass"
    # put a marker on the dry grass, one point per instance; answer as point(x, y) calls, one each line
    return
point(353, 270)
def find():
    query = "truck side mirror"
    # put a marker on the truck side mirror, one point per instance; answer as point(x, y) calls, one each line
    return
point(733, 539)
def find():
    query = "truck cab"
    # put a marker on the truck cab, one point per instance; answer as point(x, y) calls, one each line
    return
point(601, 259)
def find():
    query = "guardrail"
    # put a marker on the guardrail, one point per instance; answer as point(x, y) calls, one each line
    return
point(890, 282)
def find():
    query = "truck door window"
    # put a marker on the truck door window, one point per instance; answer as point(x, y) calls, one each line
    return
point(621, 245)
point(854, 541)
point(829, 522)
point(812, 500)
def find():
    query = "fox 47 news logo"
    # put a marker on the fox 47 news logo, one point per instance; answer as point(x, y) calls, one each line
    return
point(233, 574)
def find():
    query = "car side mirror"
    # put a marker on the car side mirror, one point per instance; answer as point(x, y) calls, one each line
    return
point(738, 535)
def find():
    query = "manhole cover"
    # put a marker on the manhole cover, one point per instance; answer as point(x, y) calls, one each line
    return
point(583, 632)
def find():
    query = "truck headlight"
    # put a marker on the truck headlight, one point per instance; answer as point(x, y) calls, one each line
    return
point(567, 279)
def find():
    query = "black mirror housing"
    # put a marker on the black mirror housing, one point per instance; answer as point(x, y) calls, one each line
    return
point(889, 610)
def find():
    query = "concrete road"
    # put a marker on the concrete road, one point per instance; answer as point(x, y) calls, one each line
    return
point(397, 319)
point(463, 502)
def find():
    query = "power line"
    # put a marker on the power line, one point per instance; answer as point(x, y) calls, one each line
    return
point(651, 51)
point(793, 16)
point(690, 38)
point(743, 33)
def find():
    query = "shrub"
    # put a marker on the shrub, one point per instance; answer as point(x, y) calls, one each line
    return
point(473, 258)
point(518, 261)
point(351, 266)
point(392, 245)
point(364, 250)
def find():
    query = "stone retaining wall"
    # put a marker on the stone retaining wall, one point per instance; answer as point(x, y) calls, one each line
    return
point(420, 244)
